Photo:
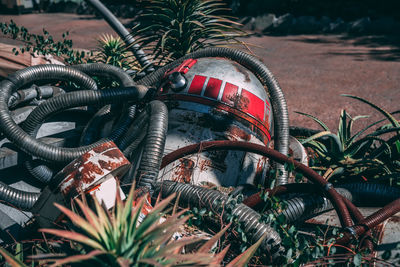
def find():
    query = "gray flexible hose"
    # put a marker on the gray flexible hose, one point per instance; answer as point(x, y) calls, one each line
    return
point(150, 163)
point(41, 171)
point(17, 198)
point(125, 80)
point(73, 99)
point(123, 33)
point(280, 112)
point(303, 207)
point(100, 69)
point(212, 200)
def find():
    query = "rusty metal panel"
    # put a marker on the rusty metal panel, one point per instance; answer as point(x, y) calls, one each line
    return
point(92, 168)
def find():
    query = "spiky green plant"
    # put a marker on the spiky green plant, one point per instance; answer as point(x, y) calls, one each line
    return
point(125, 236)
point(358, 155)
point(169, 29)
point(112, 50)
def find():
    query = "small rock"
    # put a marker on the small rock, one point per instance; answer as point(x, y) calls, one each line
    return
point(360, 26)
point(283, 23)
point(262, 23)
point(338, 26)
point(249, 25)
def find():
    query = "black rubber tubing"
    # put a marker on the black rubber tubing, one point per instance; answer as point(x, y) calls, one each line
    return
point(69, 100)
point(41, 171)
point(361, 194)
point(153, 150)
point(123, 33)
point(12, 196)
point(280, 111)
point(138, 126)
point(17, 198)
point(90, 132)
point(213, 200)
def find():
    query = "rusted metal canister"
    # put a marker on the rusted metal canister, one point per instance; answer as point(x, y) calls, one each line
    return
point(222, 100)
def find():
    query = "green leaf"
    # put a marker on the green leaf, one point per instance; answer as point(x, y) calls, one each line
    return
point(323, 125)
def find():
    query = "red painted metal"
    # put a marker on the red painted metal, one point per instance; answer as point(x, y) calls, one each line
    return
point(213, 87)
point(230, 93)
point(92, 168)
point(197, 85)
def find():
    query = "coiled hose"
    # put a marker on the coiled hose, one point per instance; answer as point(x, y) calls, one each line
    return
point(302, 207)
point(154, 145)
point(69, 100)
point(212, 200)
point(44, 173)
point(17, 198)
point(90, 132)
point(13, 132)
point(280, 112)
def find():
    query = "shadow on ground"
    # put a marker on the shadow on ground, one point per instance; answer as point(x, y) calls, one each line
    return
point(373, 47)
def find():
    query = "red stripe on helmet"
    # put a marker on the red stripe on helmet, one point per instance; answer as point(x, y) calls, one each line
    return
point(230, 93)
point(213, 87)
point(197, 85)
point(253, 104)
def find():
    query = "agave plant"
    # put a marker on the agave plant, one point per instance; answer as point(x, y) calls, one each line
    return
point(358, 155)
point(169, 29)
point(112, 50)
point(132, 234)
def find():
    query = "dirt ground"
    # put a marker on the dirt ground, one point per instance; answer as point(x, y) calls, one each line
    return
point(313, 70)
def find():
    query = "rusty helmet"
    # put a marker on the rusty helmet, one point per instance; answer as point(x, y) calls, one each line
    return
point(226, 86)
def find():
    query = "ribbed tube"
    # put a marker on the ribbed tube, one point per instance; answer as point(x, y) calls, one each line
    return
point(17, 198)
point(99, 69)
point(123, 33)
point(212, 200)
point(110, 71)
point(372, 195)
point(280, 112)
point(73, 99)
point(138, 126)
point(154, 145)
point(303, 207)
point(39, 170)
point(91, 130)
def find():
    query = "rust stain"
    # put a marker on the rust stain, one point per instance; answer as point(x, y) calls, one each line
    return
point(239, 102)
point(260, 169)
point(243, 71)
point(204, 164)
point(238, 133)
point(184, 171)
point(91, 166)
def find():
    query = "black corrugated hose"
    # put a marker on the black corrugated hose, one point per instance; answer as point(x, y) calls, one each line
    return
point(280, 112)
point(303, 206)
point(44, 173)
point(17, 198)
point(153, 150)
point(69, 100)
point(80, 98)
point(212, 200)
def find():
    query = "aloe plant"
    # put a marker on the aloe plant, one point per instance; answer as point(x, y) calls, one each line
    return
point(169, 29)
point(132, 234)
point(358, 155)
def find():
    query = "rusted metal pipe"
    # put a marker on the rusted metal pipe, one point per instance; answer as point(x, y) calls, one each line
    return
point(326, 187)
